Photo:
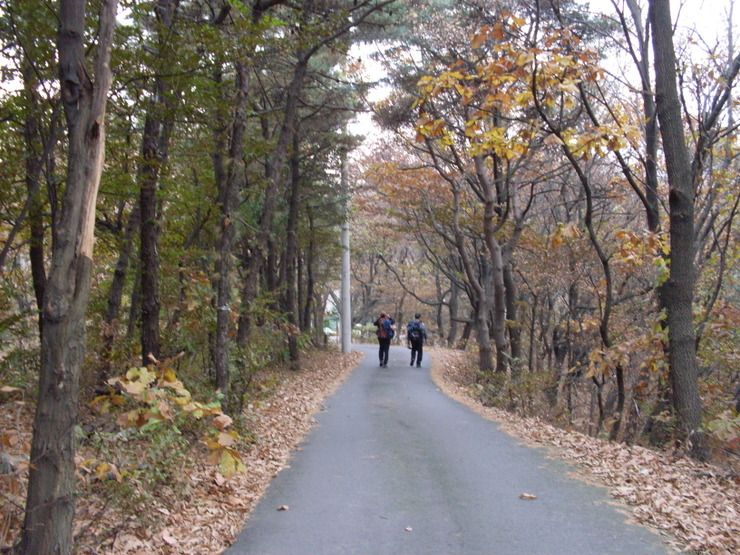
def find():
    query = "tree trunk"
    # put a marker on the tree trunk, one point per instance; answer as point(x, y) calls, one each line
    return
point(499, 305)
point(485, 349)
point(115, 294)
point(50, 505)
point(34, 165)
point(650, 130)
point(149, 239)
point(300, 289)
point(440, 306)
point(155, 144)
point(621, 395)
point(679, 289)
point(497, 267)
point(453, 307)
point(228, 195)
point(462, 344)
point(512, 319)
point(134, 310)
point(532, 350)
point(291, 252)
point(308, 308)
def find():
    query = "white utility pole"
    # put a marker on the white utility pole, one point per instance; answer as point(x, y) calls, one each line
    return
point(346, 320)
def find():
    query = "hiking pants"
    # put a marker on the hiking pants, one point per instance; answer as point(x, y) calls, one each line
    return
point(417, 351)
point(385, 345)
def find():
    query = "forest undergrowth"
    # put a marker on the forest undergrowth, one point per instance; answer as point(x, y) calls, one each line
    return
point(171, 499)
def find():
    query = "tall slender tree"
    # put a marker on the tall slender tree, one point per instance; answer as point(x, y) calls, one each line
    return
point(158, 124)
point(679, 289)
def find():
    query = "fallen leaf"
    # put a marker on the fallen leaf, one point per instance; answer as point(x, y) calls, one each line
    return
point(8, 389)
point(127, 542)
point(222, 421)
point(283, 508)
point(168, 538)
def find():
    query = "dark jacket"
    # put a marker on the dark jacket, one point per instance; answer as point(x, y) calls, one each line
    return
point(421, 326)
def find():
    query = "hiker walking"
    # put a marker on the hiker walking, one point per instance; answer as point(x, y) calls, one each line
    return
point(385, 333)
point(416, 334)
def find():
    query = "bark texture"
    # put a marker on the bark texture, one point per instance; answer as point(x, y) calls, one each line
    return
point(50, 506)
point(154, 147)
point(679, 289)
point(115, 294)
point(291, 253)
point(229, 185)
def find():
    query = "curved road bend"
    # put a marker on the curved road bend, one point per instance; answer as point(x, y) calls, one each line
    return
point(396, 467)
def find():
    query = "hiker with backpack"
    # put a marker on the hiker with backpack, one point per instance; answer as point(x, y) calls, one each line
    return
point(385, 333)
point(416, 334)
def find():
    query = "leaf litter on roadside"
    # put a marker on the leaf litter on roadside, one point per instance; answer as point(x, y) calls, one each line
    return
point(692, 502)
point(206, 511)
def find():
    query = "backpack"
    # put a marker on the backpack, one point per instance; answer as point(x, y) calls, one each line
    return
point(413, 331)
point(385, 329)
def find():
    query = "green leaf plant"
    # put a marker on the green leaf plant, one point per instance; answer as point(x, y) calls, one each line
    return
point(151, 398)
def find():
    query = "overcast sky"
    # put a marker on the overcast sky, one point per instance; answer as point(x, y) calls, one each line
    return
point(708, 18)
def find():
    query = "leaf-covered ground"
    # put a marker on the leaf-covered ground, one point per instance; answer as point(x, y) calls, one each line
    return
point(203, 512)
point(696, 505)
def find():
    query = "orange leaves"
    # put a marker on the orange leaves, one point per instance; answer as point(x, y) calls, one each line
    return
point(563, 234)
point(496, 94)
point(602, 362)
point(508, 23)
point(222, 421)
point(487, 33)
point(429, 128)
point(396, 186)
point(478, 39)
point(635, 250)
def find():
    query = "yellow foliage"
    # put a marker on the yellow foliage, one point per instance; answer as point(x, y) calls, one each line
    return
point(230, 463)
point(158, 397)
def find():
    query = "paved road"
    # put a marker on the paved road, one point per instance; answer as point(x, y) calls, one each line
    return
point(396, 467)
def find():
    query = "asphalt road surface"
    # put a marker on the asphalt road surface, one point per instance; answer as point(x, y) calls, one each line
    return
point(396, 467)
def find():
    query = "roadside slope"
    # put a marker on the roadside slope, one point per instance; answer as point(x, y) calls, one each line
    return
point(694, 502)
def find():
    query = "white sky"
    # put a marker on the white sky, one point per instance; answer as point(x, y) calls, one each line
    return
point(708, 17)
